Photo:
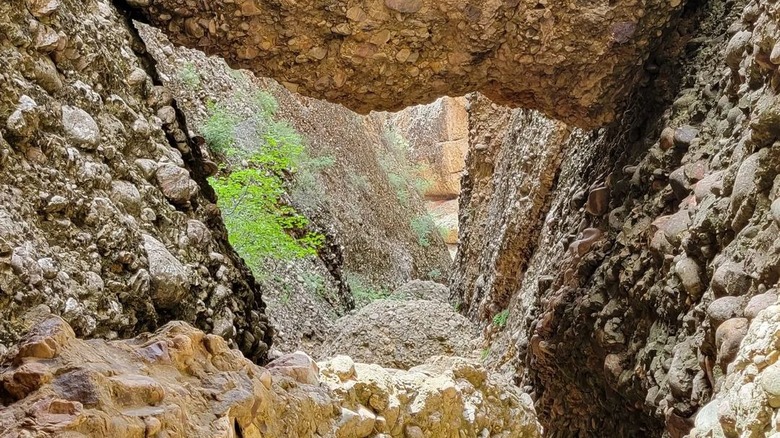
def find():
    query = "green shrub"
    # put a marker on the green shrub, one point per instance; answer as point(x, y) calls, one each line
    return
point(363, 291)
point(189, 75)
point(219, 129)
point(423, 226)
point(266, 103)
point(260, 225)
point(499, 320)
point(359, 181)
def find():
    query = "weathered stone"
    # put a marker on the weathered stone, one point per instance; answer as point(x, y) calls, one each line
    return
point(690, 276)
point(297, 366)
point(175, 183)
point(728, 337)
point(463, 52)
point(730, 279)
point(43, 8)
point(724, 309)
point(401, 334)
point(126, 194)
point(598, 201)
point(80, 126)
point(404, 6)
point(684, 135)
point(667, 138)
point(169, 278)
point(213, 389)
point(770, 383)
point(759, 303)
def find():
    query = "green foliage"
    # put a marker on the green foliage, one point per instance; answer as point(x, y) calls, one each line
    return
point(363, 291)
point(499, 320)
point(484, 354)
point(189, 75)
point(423, 226)
point(359, 181)
point(219, 129)
point(266, 103)
point(260, 225)
point(434, 274)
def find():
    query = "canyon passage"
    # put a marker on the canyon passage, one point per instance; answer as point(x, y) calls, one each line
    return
point(389, 218)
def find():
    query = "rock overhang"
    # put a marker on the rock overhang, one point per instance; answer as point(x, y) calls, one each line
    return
point(576, 61)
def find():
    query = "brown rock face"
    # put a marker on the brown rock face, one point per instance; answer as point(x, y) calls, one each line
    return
point(572, 60)
point(180, 381)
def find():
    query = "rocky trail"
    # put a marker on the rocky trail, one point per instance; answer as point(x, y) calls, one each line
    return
point(583, 241)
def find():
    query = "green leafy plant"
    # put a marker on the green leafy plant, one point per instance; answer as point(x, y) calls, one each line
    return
point(499, 320)
point(363, 291)
point(434, 274)
point(423, 226)
point(484, 354)
point(266, 102)
point(359, 181)
point(250, 195)
point(259, 225)
point(189, 75)
point(219, 129)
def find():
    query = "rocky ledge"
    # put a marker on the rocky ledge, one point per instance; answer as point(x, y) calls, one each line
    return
point(180, 381)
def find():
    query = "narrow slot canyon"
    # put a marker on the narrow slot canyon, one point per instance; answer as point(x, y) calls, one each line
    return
point(389, 218)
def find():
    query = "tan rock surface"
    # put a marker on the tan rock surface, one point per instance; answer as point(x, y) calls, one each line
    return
point(182, 382)
point(572, 60)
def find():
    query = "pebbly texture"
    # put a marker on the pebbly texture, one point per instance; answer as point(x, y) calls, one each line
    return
point(351, 201)
point(749, 395)
point(181, 381)
point(401, 334)
point(512, 167)
point(572, 60)
point(658, 247)
point(105, 215)
point(422, 290)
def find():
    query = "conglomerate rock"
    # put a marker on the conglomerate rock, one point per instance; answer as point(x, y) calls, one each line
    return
point(105, 215)
point(572, 60)
point(180, 381)
point(401, 333)
point(657, 248)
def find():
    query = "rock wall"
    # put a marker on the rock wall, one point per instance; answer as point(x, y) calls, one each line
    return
point(573, 60)
point(106, 217)
point(657, 248)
